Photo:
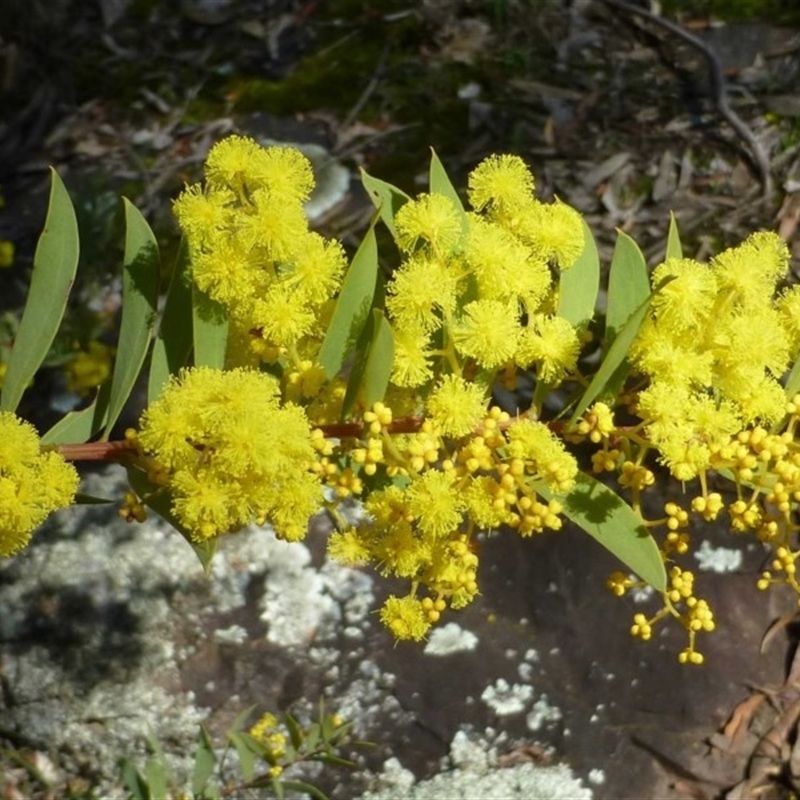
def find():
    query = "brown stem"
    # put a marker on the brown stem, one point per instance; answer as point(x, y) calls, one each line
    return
point(95, 451)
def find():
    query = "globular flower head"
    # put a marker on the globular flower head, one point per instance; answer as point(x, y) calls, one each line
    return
point(455, 406)
point(501, 182)
point(551, 344)
point(232, 455)
point(430, 220)
point(684, 303)
point(238, 160)
point(420, 291)
point(505, 269)
point(434, 503)
point(405, 617)
point(250, 247)
point(553, 230)
point(488, 331)
point(33, 483)
point(752, 269)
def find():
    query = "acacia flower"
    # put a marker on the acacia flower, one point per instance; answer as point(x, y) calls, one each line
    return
point(405, 617)
point(505, 268)
point(33, 483)
point(434, 503)
point(431, 219)
point(552, 344)
point(500, 181)
point(455, 406)
point(488, 332)
point(554, 231)
point(231, 454)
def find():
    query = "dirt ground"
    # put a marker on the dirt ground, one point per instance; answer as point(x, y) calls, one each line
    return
point(616, 115)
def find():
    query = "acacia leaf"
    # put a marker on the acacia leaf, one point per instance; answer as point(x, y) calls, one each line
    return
point(140, 273)
point(54, 266)
point(440, 183)
point(606, 517)
point(77, 427)
point(352, 306)
point(209, 331)
point(674, 246)
point(386, 198)
point(580, 283)
point(173, 343)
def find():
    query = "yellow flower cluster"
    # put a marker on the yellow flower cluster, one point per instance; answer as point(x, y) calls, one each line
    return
point(32, 483)
point(268, 734)
point(714, 347)
point(230, 453)
point(251, 249)
point(444, 488)
point(476, 289)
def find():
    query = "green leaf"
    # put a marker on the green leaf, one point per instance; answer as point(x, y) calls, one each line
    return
point(241, 719)
point(606, 517)
point(156, 774)
point(674, 247)
point(295, 733)
point(78, 427)
point(440, 184)
point(173, 343)
point(210, 331)
point(160, 501)
point(247, 758)
point(133, 779)
point(204, 762)
point(313, 737)
point(628, 285)
point(307, 788)
point(373, 364)
point(579, 284)
point(54, 265)
point(334, 761)
point(352, 307)
point(387, 199)
point(140, 271)
point(614, 357)
point(793, 381)
point(91, 500)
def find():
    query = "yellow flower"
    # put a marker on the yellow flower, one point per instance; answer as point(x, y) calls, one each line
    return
point(237, 161)
point(501, 181)
point(6, 253)
point(274, 225)
point(32, 483)
point(434, 502)
point(411, 365)
point(488, 332)
point(405, 617)
point(545, 455)
point(89, 368)
point(505, 268)
point(419, 292)
point(347, 547)
point(752, 269)
point(685, 302)
point(455, 406)
point(553, 230)
point(552, 344)
point(203, 213)
point(232, 454)
point(431, 218)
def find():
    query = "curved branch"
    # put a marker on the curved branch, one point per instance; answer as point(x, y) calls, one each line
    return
point(720, 93)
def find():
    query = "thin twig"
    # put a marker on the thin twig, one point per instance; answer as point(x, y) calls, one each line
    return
point(377, 75)
point(719, 90)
